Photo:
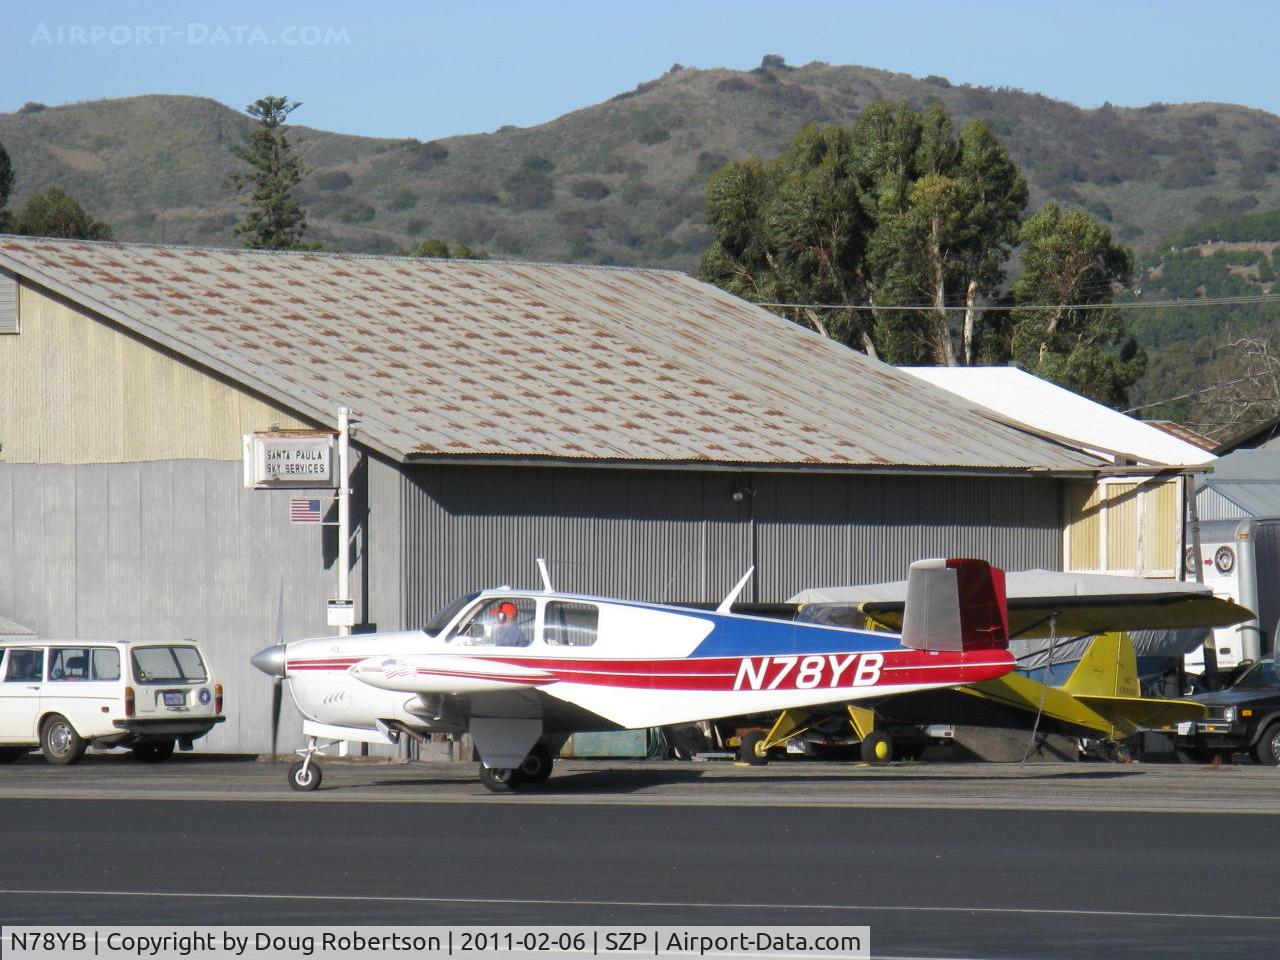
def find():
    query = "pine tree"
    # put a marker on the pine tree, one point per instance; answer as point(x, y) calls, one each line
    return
point(273, 219)
point(6, 185)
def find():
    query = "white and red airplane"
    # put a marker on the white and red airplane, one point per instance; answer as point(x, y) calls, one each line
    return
point(521, 670)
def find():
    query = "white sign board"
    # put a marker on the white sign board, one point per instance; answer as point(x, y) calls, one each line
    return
point(342, 613)
point(295, 459)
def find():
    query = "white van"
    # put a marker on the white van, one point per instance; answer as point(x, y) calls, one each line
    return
point(63, 695)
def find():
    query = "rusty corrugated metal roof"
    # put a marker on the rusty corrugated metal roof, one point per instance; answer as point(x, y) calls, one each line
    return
point(485, 359)
point(1185, 433)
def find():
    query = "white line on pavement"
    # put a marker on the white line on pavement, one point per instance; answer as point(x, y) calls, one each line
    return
point(511, 901)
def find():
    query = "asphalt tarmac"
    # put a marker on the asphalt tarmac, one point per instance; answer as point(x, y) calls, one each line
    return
point(999, 861)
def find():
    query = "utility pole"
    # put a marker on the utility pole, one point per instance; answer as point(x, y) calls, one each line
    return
point(344, 509)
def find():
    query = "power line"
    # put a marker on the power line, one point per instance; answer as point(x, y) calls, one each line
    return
point(1196, 393)
point(930, 308)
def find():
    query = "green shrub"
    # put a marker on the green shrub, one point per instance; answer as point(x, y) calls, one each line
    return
point(356, 211)
point(424, 156)
point(531, 186)
point(333, 180)
point(655, 135)
point(402, 199)
point(590, 189)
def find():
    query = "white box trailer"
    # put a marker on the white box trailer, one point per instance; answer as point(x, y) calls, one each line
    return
point(1240, 559)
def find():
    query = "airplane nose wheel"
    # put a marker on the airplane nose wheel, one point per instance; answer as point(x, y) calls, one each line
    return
point(305, 775)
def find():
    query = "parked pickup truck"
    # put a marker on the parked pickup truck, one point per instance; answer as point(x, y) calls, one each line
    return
point(64, 695)
point(1244, 716)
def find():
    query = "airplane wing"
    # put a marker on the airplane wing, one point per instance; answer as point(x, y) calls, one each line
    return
point(1083, 604)
point(639, 693)
point(1102, 695)
point(1134, 713)
point(1078, 616)
point(1023, 693)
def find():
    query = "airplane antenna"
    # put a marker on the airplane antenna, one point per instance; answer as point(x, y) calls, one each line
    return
point(727, 602)
point(546, 576)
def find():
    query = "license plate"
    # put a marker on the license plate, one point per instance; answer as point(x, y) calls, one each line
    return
point(175, 699)
point(1186, 728)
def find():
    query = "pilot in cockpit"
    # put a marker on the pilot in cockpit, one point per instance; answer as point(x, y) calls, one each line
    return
point(505, 631)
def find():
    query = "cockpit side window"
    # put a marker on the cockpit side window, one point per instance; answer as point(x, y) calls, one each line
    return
point(570, 624)
point(499, 622)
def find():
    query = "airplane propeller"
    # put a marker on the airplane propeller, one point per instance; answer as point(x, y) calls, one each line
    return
point(272, 661)
point(277, 681)
point(277, 696)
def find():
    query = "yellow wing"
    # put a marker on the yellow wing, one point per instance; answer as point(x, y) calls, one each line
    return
point(1102, 695)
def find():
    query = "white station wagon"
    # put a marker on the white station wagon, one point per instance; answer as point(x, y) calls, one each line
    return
point(63, 695)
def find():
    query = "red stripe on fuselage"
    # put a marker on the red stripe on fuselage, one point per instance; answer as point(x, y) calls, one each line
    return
point(525, 679)
point(328, 663)
point(884, 668)
point(781, 672)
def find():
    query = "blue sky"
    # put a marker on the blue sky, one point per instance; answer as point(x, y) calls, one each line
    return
point(430, 69)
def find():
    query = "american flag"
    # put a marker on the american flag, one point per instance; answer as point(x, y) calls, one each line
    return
point(302, 510)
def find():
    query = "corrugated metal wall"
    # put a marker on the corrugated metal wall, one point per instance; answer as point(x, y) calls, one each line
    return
point(8, 302)
point(680, 536)
point(166, 549)
point(1130, 528)
point(75, 389)
point(1212, 505)
point(823, 531)
point(180, 549)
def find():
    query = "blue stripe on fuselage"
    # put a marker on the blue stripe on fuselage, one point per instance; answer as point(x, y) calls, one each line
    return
point(751, 637)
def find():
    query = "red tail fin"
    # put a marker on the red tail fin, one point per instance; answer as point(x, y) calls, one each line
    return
point(955, 605)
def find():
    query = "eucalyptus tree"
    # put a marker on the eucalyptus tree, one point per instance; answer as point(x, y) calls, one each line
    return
point(1071, 269)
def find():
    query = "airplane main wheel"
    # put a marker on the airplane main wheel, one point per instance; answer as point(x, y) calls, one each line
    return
point(499, 779)
point(751, 749)
point(59, 741)
point(308, 779)
point(536, 767)
point(877, 747)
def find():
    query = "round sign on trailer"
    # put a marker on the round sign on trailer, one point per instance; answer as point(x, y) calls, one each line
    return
point(1224, 560)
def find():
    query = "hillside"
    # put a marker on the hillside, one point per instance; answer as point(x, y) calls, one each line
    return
point(622, 181)
point(1228, 346)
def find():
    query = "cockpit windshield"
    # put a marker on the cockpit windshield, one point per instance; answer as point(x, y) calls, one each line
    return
point(441, 618)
